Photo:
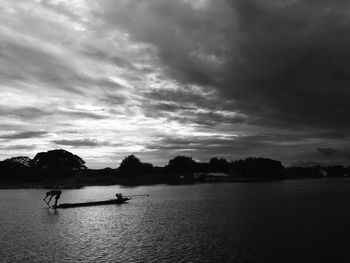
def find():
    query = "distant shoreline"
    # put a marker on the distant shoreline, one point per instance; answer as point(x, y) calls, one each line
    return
point(62, 169)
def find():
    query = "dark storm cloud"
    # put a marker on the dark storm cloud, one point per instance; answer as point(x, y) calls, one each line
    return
point(283, 63)
point(82, 142)
point(177, 31)
point(296, 55)
point(332, 134)
point(23, 135)
point(327, 152)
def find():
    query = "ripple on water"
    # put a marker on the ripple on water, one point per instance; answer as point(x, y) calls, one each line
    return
point(293, 221)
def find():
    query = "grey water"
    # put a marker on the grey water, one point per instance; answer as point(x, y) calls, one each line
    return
point(287, 221)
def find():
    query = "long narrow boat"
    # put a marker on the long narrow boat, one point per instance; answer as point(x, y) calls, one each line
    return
point(106, 202)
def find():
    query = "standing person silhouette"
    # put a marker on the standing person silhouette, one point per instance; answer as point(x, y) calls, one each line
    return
point(53, 193)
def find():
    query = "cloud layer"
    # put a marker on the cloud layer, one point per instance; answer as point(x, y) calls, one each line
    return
point(159, 78)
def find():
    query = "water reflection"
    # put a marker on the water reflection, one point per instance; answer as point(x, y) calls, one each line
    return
point(51, 212)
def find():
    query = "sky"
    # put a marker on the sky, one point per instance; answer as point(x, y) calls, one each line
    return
point(104, 79)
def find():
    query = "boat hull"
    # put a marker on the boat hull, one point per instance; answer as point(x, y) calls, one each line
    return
point(96, 203)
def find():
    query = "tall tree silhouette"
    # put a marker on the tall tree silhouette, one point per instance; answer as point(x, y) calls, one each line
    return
point(132, 165)
point(260, 167)
point(59, 163)
point(16, 168)
point(218, 165)
point(182, 164)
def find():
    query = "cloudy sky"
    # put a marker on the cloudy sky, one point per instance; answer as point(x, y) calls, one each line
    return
point(158, 78)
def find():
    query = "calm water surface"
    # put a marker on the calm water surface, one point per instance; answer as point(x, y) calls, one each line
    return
point(291, 221)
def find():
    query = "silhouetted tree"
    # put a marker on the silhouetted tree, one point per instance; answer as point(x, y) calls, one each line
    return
point(304, 172)
point(202, 168)
point(218, 165)
point(259, 167)
point(182, 164)
point(58, 163)
point(335, 171)
point(133, 166)
point(15, 168)
point(19, 161)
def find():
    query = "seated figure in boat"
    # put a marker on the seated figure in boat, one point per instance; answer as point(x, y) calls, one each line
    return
point(53, 193)
point(119, 196)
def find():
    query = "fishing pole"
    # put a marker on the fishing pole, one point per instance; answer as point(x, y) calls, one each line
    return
point(135, 195)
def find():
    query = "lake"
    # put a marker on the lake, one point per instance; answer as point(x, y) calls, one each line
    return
point(286, 221)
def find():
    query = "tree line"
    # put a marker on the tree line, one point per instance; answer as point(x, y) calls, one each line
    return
point(60, 165)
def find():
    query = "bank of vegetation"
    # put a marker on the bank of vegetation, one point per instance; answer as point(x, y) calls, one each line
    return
point(64, 169)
